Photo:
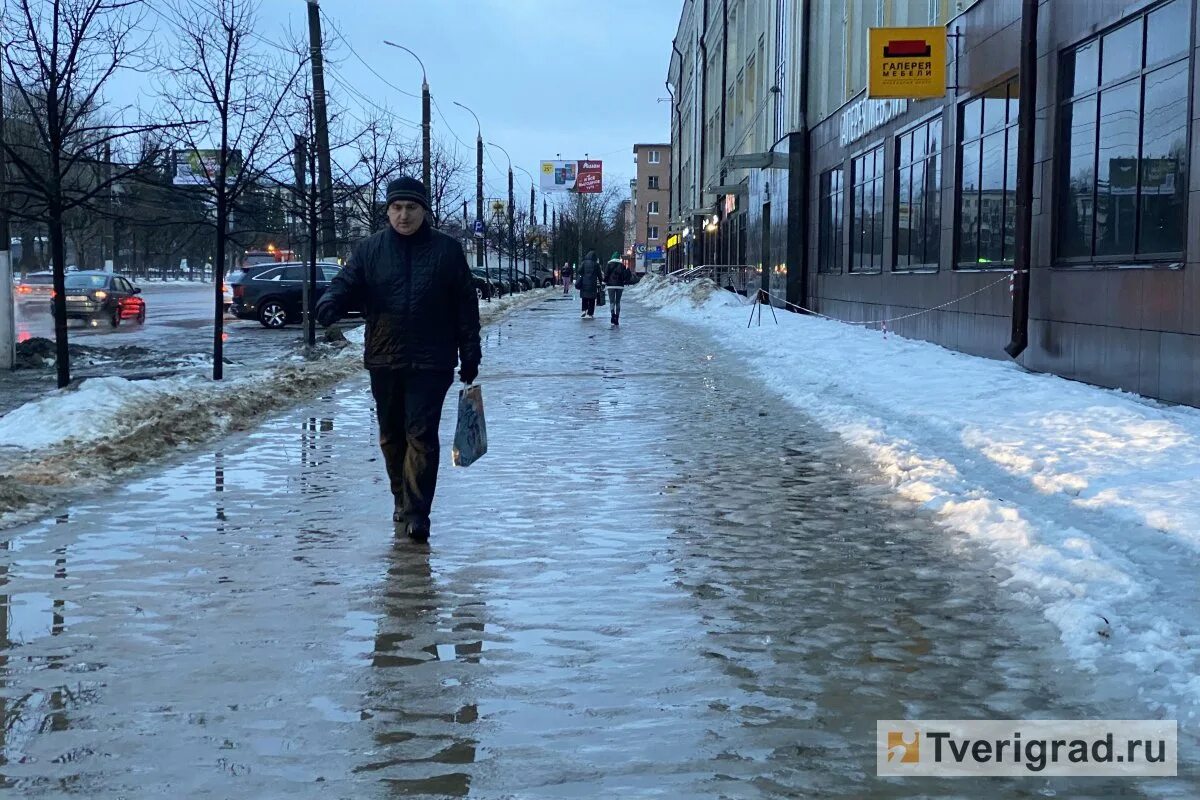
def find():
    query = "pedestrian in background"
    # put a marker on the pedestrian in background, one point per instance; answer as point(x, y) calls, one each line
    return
point(616, 277)
point(567, 274)
point(589, 284)
point(415, 290)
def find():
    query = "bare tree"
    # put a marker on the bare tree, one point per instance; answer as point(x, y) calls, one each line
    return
point(59, 56)
point(381, 155)
point(241, 87)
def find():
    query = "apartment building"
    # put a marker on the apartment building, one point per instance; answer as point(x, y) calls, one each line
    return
point(651, 201)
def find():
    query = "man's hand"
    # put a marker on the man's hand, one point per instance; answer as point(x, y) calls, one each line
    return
point(326, 316)
point(467, 373)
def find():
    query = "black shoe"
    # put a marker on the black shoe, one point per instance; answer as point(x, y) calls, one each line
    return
point(418, 532)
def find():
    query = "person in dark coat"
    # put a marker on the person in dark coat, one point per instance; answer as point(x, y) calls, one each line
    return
point(415, 291)
point(616, 277)
point(588, 283)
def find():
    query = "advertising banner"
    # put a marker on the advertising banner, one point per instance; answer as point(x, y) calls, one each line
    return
point(572, 176)
point(200, 167)
point(558, 176)
point(590, 179)
point(907, 62)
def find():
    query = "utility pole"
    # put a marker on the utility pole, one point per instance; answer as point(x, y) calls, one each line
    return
point(306, 206)
point(328, 233)
point(479, 251)
point(512, 238)
point(425, 157)
point(8, 323)
point(110, 251)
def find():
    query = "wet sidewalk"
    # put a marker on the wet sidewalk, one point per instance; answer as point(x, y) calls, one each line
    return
point(661, 582)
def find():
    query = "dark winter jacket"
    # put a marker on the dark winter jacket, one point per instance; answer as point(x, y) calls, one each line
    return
point(588, 282)
point(417, 297)
point(617, 275)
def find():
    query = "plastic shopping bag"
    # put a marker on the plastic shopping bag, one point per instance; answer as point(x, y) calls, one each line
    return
point(470, 435)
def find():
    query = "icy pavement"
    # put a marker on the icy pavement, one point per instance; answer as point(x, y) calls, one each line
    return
point(660, 582)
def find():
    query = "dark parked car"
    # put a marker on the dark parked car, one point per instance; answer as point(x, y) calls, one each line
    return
point(542, 276)
point(273, 293)
point(35, 288)
point(486, 286)
point(102, 296)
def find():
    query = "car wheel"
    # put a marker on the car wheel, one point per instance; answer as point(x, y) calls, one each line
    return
point(479, 292)
point(272, 314)
point(115, 319)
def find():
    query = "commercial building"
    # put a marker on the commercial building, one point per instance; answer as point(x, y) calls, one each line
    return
point(906, 210)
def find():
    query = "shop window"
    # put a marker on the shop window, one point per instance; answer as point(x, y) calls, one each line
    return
point(1122, 180)
point(831, 217)
point(987, 178)
point(866, 212)
point(918, 197)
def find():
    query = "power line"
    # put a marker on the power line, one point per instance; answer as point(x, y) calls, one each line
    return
point(362, 60)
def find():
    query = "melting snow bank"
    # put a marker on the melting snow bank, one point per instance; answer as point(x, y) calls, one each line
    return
point(1089, 498)
point(86, 435)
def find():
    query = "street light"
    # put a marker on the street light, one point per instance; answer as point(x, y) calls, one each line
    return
point(512, 242)
point(532, 214)
point(482, 243)
point(425, 156)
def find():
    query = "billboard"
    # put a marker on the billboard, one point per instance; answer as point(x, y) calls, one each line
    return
point(907, 62)
point(572, 176)
point(200, 167)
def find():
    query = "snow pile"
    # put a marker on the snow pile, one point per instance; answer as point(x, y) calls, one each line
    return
point(1089, 497)
point(86, 414)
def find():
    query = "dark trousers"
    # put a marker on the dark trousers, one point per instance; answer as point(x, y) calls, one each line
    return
point(409, 406)
point(589, 305)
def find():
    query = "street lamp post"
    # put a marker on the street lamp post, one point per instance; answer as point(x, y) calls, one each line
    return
point(532, 215)
point(425, 122)
point(481, 242)
point(512, 241)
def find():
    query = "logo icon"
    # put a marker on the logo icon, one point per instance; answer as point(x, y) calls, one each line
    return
point(901, 750)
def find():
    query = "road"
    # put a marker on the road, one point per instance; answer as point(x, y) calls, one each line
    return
point(661, 581)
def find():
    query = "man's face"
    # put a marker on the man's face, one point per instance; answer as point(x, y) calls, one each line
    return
point(405, 216)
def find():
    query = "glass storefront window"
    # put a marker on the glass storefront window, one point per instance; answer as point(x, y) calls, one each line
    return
point(987, 178)
point(866, 203)
point(918, 218)
point(1121, 186)
point(831, 216)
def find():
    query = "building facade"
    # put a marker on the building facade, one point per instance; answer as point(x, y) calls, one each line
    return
point(651, 201)
point(906, 211)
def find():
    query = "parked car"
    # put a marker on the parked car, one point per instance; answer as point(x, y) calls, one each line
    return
point(95, 296)
point(486, 285)
point(36, 288)
point(542, 276)
point(273, 293)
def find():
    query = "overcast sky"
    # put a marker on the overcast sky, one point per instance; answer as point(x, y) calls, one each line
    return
point(544, 76)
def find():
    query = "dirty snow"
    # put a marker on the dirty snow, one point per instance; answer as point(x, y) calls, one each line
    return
point(1089, 498)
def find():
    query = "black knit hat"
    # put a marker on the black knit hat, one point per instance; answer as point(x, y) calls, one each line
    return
point(407, 188)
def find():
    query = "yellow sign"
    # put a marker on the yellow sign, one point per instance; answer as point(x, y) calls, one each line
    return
point(907, 62)
point(672, 240)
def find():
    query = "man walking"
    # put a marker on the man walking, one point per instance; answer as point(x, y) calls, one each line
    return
point(616, 277)
point(415, 291)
